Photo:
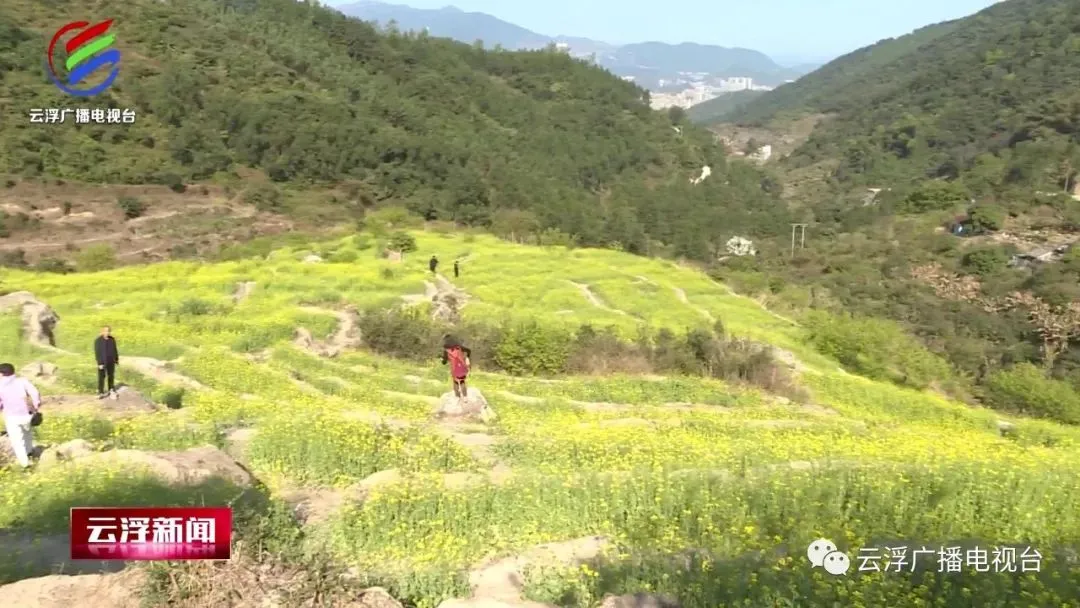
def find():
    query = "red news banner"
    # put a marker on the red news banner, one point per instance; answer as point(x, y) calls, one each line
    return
point(151, 533)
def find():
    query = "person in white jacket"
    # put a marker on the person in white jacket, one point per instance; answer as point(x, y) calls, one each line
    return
point(17, 412)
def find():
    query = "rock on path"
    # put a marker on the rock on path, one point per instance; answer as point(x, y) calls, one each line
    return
point(38, 318)
point(119, 590)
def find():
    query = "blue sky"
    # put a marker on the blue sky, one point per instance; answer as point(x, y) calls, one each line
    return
point(788, 30)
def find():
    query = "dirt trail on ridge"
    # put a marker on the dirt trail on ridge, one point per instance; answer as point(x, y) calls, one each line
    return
point(160, 372)
point(595, 299)
point(679, 293)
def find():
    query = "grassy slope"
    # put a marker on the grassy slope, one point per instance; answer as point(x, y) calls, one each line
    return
point(939, 471)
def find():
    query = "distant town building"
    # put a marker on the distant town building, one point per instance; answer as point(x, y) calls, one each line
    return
point(698, 89)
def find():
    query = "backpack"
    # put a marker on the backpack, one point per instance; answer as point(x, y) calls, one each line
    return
point(458, 367)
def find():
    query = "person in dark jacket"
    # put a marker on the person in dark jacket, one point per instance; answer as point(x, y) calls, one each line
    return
point(108, 357)
point(457, 272)
point(433, 264)
point(460, 359)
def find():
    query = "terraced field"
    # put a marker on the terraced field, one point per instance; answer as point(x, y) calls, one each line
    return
point(582, 486)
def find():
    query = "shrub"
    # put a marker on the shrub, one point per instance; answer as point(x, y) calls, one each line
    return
point(15, 258)
point(987, 217)
point(602, 352)
point(986, 261)
point(53, 265)
point(174, 182)
point(875, 348)
point(343, 256)
point(387, 219)
point(264, 197)
point(402, 242)
point(95, 258)
point(192, 307)
point(530, 348)
point(171, 396)
point(66, 207)
point(404, 333)
point(131, 206)
point(1025, 389)
point(934, 195)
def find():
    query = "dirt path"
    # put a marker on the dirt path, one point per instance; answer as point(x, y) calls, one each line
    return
point(681, 294)
point(243, 291)
point(347, 334)
point(595, 300)
point(430, 291)
point(160, 372)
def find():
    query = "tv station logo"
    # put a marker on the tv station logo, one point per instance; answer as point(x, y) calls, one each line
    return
point(151, 533)
point(81, 60)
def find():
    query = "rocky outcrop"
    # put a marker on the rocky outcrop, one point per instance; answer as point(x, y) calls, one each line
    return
point(118, 590)
point(471, 408)
point(65, 452)
point(38, 318)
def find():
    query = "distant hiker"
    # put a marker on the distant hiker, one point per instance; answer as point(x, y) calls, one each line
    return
point(433, 264)
point(460, 359)
point(108, 357)
point(457, 272)
point(18, 414)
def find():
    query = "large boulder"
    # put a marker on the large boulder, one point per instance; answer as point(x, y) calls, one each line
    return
point(473, 407)
point(38, 318)
point(119, 590)
point(71, 450)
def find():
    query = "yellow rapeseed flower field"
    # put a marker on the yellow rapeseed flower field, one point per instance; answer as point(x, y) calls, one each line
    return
point(709, 492)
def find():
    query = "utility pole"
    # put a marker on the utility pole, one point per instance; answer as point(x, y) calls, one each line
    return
point(802, 237)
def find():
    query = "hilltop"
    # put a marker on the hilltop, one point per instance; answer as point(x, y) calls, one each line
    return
point(938, 177)
point(641, 441)
point(650, 63)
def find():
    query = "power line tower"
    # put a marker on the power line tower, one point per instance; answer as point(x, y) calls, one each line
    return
point(802, 237)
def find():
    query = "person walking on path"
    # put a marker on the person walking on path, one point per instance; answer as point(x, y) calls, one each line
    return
point(433, 264)
point(18, 414)
point(460, 359)
point(108, 357)
point(457, 273)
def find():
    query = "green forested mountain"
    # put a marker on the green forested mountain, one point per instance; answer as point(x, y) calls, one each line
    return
point(976, 119)
point(719, 108)
point(994, 98)
point(309, 96)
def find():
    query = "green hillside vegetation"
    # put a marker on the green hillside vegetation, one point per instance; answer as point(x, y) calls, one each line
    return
point(976, 119)
point(719, 108)
point(699, 484)
point(311, 97)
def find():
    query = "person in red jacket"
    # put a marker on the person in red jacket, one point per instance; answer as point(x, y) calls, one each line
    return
point(459, 357)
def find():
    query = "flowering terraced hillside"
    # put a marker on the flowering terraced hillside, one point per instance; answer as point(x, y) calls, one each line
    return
point(680, 486)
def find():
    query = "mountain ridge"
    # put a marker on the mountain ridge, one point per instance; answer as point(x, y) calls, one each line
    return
point(667, 60)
